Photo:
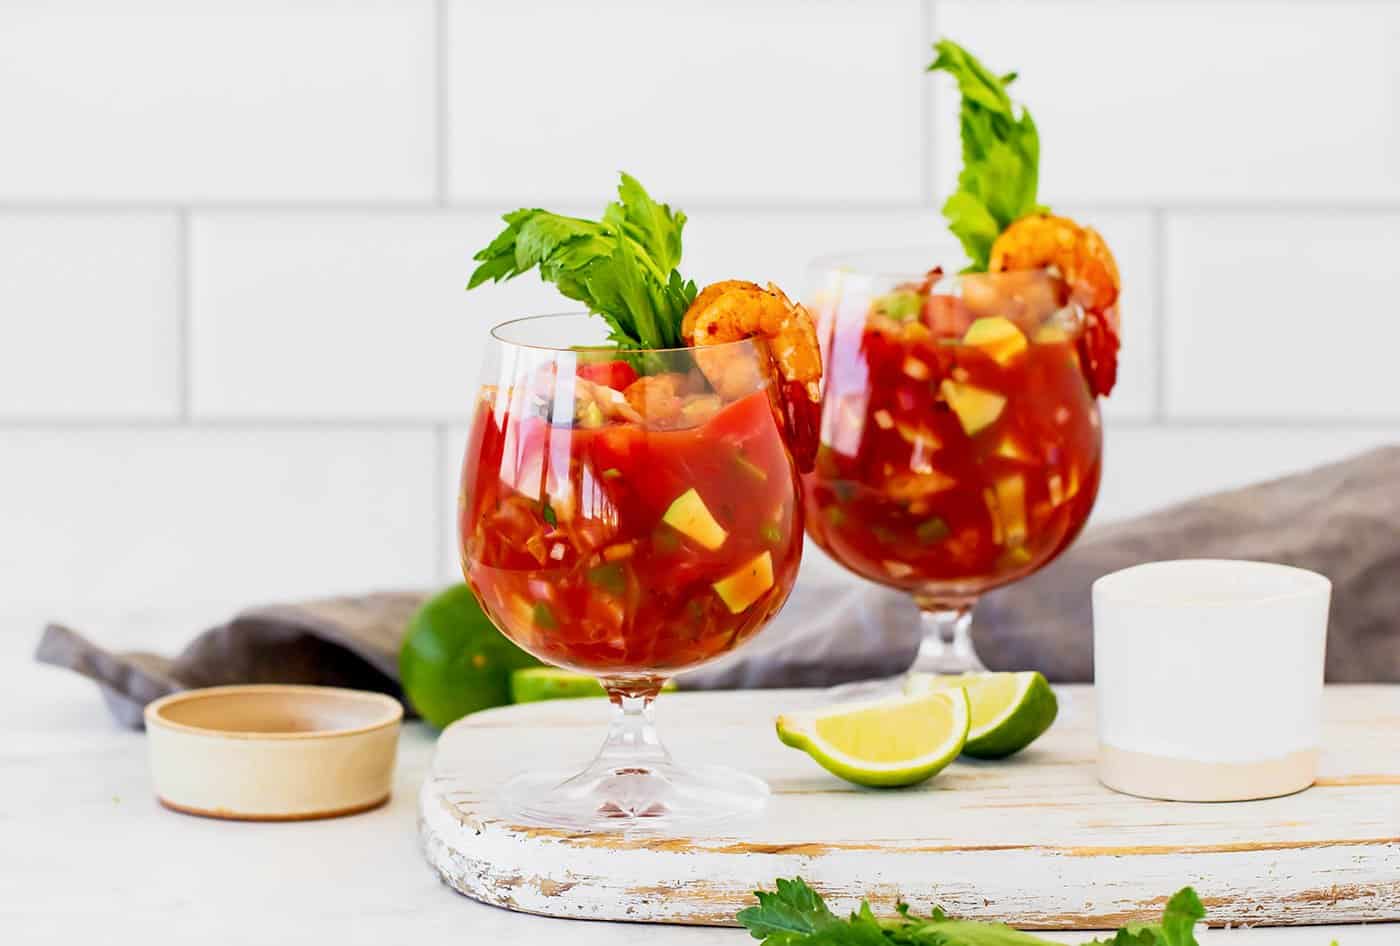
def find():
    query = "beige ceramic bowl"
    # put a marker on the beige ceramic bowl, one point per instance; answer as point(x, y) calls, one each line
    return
point(273, 753)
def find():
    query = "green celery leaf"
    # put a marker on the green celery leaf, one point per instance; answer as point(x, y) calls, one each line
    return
point(623, 267)
point(1000, 153)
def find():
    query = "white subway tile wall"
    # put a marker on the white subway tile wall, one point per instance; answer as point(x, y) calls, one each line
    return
point(235, 354)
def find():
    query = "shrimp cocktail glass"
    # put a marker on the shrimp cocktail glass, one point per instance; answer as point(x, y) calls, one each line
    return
point(960, 442)
point(630, 493)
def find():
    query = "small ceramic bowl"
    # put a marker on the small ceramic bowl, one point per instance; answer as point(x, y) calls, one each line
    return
point(273, 753)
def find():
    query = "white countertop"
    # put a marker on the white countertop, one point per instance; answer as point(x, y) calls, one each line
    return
point(86, 853)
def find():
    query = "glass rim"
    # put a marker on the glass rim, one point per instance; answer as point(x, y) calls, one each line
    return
point(848, 261)
point(497, 330)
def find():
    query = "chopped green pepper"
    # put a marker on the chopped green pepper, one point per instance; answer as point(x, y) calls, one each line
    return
point(612, 473)
point(884, 534)
point(544, 617)
point(750, 467)
point(770, 533)
point(843, 489)
point(611, 578)
point(835, 515)
point(548, 513)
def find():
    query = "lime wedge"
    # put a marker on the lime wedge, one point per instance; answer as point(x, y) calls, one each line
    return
point(1009, 710)
point(533, 684)
point(884, 743)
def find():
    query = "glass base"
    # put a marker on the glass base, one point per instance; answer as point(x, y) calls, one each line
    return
point(656, 795)
point(945, 649)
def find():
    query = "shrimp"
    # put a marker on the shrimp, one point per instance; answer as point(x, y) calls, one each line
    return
point(1087, 266)
point(657, 397)
point(735, 309)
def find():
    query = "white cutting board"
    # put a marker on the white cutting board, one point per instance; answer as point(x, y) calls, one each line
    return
point(1034, 841)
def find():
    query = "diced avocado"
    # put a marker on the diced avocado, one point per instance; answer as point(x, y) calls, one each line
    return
point(900, 305)
point(689, 516)
point(997, 336)
point(743, 587)
point(1011, 501)
point(977, 408)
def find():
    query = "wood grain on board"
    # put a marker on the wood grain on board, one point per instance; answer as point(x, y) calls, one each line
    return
point(1034, 841)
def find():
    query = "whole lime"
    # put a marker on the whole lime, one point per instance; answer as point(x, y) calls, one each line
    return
point(454, 661)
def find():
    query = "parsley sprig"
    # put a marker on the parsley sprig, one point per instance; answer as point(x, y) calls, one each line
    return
point(623, 266)
point(1000, 155)
point(796, 915)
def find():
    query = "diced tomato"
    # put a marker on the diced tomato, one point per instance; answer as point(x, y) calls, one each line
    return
point(615, 374)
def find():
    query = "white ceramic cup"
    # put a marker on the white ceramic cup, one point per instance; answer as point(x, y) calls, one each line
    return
point(1208, 678)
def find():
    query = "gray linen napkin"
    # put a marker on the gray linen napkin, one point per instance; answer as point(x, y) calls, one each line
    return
point(1342, 520)
point(345, 642)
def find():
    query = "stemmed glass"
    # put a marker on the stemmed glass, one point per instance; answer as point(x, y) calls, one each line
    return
point(960, 443)
point(629, 537)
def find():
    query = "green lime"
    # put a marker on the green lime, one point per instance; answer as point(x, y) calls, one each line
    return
point(454, 661)
point(1009, 710)
point(885, 743)
point(550, 683)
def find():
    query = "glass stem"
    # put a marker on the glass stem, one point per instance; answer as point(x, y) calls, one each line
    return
point(945, 642)
point(632, 740)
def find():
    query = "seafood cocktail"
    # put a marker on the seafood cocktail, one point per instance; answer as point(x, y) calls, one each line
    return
point(630, 497)
point(960, 438)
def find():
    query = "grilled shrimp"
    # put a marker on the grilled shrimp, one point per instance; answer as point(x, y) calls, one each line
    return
point(657, 397)
point(1087, 266)
point(735, 309)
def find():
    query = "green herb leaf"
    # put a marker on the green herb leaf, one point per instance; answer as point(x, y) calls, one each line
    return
point(793, 908)
point(1000, 152)
point(623, 267)
point(795, 915)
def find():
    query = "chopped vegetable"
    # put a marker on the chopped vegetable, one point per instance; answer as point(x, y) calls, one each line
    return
point(543, 617)
point(747, 584)
point(547, 512)
point(689, 516)
point(900, 305)
point(932, 530)
point(750, 467)
point(977, 408)
point(612, 578)
point(998, 337)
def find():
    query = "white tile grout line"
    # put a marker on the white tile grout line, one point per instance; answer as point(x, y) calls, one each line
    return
point(1159, 299)
point(183, 284)
point(440, 104)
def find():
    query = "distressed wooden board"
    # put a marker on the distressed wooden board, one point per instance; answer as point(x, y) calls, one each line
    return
point(1034, 840)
